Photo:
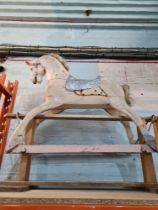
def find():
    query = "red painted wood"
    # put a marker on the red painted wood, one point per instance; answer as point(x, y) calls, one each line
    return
point(7, 98)
point(72, 207)
point(2, 81)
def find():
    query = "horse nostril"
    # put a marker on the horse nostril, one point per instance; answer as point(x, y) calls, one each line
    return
point(35, 80)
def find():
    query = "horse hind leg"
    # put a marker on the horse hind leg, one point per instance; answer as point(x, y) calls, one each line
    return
point(123, 108)
point(125, 124)
point(129, 133)
point(148, 139)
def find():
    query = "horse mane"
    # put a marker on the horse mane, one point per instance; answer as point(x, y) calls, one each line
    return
point(61, 60)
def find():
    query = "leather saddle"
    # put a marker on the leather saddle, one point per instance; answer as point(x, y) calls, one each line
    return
point(85, 87)
point(82, 80)
point(73, 83)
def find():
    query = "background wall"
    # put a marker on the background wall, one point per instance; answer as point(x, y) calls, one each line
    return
point(52, 22)
point(142, 78)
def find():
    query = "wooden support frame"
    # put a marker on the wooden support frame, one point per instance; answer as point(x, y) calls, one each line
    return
point(155, 127)
point(150, 182)
point(147, 165)
point(25, 160)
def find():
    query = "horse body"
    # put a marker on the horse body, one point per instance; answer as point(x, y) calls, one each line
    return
point(55, 87)
point(58, 98)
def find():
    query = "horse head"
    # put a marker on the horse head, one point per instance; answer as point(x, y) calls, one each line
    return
point(53, 64)
point(37, 71)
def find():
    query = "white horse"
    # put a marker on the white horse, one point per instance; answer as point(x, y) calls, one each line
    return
point(58, 98)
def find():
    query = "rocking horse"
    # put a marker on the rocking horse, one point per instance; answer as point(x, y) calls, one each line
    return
point(65, 91)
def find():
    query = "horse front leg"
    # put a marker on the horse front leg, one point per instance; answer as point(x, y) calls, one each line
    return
point(18, 134)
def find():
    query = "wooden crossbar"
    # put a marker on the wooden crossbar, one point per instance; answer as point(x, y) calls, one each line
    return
point(25, 185)
point(77, 117)
point(81, 149)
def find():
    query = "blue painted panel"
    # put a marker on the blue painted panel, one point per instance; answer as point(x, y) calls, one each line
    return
point(77, 34)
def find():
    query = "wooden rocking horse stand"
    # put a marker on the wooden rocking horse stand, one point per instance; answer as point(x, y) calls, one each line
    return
point(29, 148)
point(57, 99)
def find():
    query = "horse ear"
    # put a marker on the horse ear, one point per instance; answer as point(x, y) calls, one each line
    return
point(29, 62)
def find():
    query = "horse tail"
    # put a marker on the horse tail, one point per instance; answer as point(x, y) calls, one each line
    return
point(128, 97)
point(61, 60)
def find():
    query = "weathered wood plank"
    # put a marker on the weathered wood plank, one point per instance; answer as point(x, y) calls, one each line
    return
point(70, 184)
point(25, 159)
point(80, 149)
point(77, 117)
point(147, 165)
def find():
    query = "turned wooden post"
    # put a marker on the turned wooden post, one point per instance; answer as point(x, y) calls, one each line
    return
point(147, 166)
point(155, 127)
point(25, 159)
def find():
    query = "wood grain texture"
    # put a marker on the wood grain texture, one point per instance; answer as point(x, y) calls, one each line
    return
point(109, 197)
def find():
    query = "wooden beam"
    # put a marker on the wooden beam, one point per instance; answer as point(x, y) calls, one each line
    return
point(25, 185)
point(77, 117)
point(25, 159)
point(148, 168)
point(155, 127)
point(81, 149)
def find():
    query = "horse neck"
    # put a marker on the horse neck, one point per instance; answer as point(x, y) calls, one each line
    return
point(54, 69)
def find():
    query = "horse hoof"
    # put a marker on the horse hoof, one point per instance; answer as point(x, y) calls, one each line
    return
point(148, 139)
point(14, 142)
point(136, 141)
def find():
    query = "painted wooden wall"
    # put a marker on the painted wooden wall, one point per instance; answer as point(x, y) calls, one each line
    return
point(52, 30)
point(142, 78)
